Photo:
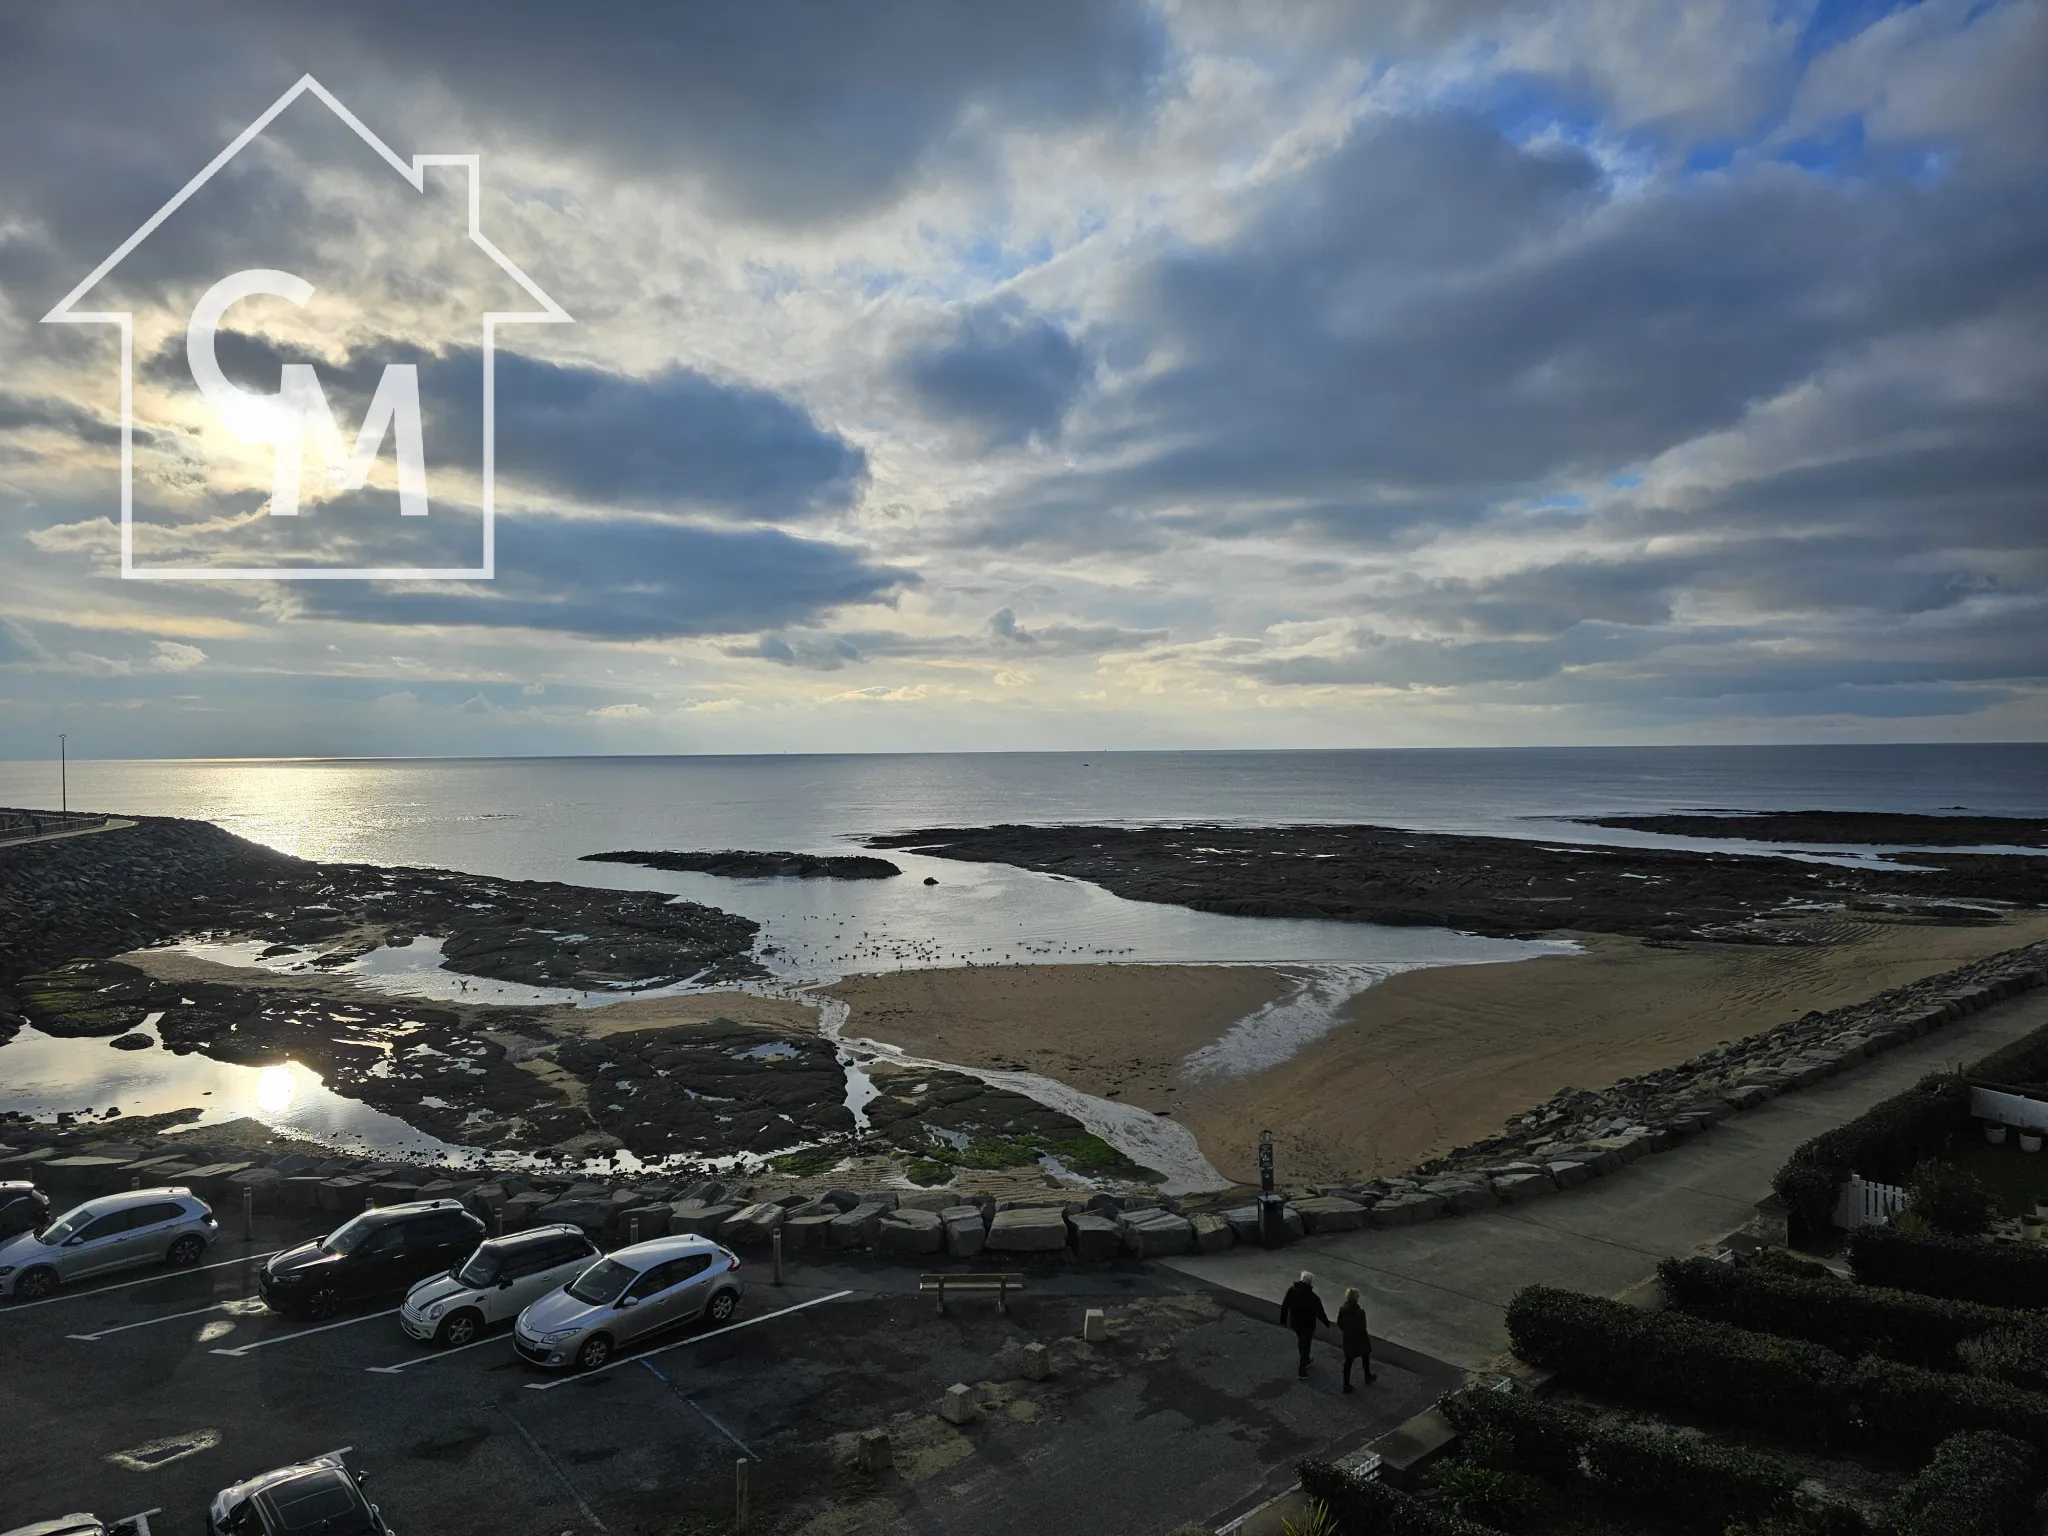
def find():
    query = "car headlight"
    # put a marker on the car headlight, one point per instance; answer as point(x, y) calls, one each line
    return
point(6, 1270)
point(436, 1310)
point(556, 1337)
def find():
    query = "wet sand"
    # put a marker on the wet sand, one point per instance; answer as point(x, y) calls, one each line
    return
point(1415, 1065)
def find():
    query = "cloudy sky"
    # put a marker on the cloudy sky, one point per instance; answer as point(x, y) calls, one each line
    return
point(1068, 374)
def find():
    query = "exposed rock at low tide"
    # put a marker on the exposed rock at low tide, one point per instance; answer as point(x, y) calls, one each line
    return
point(740, 865)
point(1505, 887)
point(1857, 828)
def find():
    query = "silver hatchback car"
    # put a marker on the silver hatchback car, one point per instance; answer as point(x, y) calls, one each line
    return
point(629, 1295)
point(139, 1226)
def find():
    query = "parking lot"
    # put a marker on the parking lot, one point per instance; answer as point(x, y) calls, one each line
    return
point(159, 1389)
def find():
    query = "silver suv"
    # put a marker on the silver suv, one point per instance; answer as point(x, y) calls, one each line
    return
point(124, 1231)
point(635, 1292)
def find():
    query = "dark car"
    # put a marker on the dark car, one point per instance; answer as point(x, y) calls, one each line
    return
point(320, 1497)
point(23, 1208)
point(379, 1253)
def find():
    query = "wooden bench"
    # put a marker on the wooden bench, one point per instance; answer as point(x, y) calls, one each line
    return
point(1002, 1285)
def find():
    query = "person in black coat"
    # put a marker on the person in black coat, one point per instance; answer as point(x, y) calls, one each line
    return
point(1302, 1310)
point(1357, 1342)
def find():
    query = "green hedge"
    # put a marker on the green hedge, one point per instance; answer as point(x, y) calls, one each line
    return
point(1855, 1320)
point(2025, 1060)
point(1882, 1143)
point(1976, 1485)
point(1959, 1268)
point(1799, 1390)
point(1668, 1477)
point(1368, 1507)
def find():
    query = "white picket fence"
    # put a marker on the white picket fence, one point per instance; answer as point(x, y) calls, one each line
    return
point(1866, 1203)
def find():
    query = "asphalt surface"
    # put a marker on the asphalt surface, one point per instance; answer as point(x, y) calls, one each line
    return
point(158, 1389)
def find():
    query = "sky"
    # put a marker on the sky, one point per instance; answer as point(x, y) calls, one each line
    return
point(1073, 375)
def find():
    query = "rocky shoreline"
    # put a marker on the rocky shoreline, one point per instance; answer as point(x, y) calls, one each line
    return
point(737, 864)
point(1500, 887)
point(1857, 828)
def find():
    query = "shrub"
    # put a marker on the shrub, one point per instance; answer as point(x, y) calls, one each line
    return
point(1800, 1390)
point(1367, 1507)
point(1950, 1199)
point(1501, 1495)
point(1995, 1274)
point(1884, 1142)
point(2015, 1353)
point(1663, 1475)
point(1977, 1485)
point(1855, 1320)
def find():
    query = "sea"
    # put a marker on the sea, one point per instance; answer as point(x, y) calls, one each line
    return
point(533, 818)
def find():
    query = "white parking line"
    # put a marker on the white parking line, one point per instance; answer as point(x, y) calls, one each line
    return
point(648, 1354)
point(48, 1301)
point(285, 1338)
point(150, 1322)
point(439, 1354)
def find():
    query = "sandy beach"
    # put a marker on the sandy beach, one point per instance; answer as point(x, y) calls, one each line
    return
point(1415, 1065)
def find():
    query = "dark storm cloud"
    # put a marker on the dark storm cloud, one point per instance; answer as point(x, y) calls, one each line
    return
point(674, 441)
point(23, 413)
point(999, 369)
point(629, 579)
point(1067, 639)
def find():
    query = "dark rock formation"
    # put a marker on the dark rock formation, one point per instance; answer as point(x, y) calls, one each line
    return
point(1861, 828)
point(1491, 885)
point(741, 865)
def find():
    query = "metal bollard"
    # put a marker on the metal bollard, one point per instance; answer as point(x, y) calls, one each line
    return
point(776, 1240)
point(633, 1230)
point(497, 1221)
point(248, 1215)
point(739, 1495)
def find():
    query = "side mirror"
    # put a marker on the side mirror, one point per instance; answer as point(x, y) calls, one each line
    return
point(505, 1284)
point(628, 1301)
point(73, 1242)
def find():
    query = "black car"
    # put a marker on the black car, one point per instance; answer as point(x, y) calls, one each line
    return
point(23, 1208)
point(379, 1253)
point(320, 1497)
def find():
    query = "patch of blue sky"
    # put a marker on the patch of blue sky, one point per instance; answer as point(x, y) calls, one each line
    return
point(1626, 481)
point(1530, 111)
point(1841, 150)
point(1830, 23)
point(1563, 501)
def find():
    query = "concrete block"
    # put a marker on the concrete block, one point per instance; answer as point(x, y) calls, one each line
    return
point(751, 1226)
point(857, 1228)
point(1407, 1209)
point(300, 1192)
point(871, 1452)
point(1160, 1235)
point(1523, 1186)
point(1037, 1363)
point(958, 1406)
point(966, 1232)
point(911, 1232)
point(1034, 1229)
point(260, 1183)
point(1330, 1213)
point(346, 1194)
point(1094, 1326)
point(81, 1173)
point(1570, 1175)
point(1213, 1234)
point(590, 1215)
point(695, 1216)
point(806, 1232)
point(1095, 1238)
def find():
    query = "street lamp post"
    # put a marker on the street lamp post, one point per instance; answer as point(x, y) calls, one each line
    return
point(1272, 1209)
point(63, 775)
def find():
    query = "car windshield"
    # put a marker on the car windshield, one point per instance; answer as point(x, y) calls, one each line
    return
point(482, 1268)
point(67, 1225)
point(349, 1236)
point(602, 1284)
point(324, 1504)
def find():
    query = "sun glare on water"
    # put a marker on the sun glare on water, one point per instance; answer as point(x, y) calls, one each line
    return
point(275, 1089)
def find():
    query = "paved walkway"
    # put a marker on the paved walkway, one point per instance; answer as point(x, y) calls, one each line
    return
point(111, 824)
point(1442, 1287)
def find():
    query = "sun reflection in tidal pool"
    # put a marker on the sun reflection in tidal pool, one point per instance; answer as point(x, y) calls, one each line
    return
point(275, 1089)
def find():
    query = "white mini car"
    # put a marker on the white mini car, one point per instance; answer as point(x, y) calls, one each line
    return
point(495, 1284)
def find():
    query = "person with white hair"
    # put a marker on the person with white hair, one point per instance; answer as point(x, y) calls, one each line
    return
point(1302, 1310)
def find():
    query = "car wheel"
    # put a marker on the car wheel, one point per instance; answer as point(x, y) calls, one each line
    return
point(458, 1329)
point(722, 1307)
point(595, 1351)
point(185, 1252)
point(34, 1284)
point(323, 1304)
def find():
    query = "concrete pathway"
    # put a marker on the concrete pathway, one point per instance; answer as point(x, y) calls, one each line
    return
point(1443, 1287)
point(111, 824)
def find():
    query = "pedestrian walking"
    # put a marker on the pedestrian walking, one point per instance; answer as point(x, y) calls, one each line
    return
point(1302, 1310)
point(1357, 1342)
